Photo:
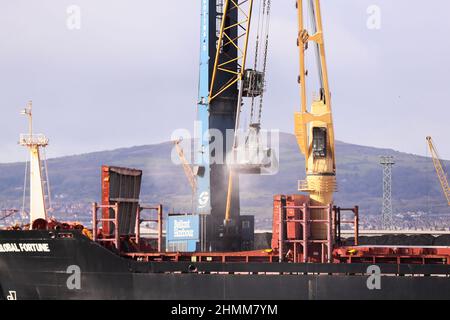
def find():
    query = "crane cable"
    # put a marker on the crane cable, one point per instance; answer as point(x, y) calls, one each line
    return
point(264, 16)
point(255, 65)
point(257, 48)
point(313, 30)
point(49, 195)
point(262, 34)
point(266, 51)
point(23, 213)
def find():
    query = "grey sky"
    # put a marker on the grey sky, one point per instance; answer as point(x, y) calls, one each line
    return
point(129, 76)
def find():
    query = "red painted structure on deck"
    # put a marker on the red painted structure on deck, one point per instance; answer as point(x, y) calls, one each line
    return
point(120, 186)
point(291, 238)
point(294, 217)
point(117, 239)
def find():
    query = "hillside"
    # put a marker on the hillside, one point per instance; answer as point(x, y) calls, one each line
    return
point(76, 179)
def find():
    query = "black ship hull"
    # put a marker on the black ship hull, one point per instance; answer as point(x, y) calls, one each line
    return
point(42, 265)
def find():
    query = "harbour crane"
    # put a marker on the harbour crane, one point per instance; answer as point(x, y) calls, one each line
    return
point(442, 175)
point(314, 126)
point(225, 81)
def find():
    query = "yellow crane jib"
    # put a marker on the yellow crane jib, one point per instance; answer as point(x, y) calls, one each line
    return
point(188, 170)
point(222, 62)
point(442, 176)
point(314, 126)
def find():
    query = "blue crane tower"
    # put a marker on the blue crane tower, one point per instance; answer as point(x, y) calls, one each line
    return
point(215, 117)
point(224, 82)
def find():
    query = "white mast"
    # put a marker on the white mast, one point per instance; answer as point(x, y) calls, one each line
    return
point(33, 142)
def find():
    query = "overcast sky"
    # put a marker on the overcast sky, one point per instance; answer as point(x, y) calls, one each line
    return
point(129, 75)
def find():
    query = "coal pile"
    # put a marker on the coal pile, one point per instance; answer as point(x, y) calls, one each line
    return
point(263, 241)
point(401, 240)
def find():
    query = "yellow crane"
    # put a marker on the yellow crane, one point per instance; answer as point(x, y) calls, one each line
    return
point(314, 126)
point(442, 176)
point(188, 171)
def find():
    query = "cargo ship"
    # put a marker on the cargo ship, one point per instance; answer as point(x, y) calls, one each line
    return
point(210, 253)
point(53, 260)
point(29, 271)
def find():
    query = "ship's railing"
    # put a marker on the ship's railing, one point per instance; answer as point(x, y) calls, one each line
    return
point(158, 220)
point(39, 140)
point(302, 184)
point(115, 220)
point(115, 239)
point(332, 220)
point(340, 220)
point(303, 243)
